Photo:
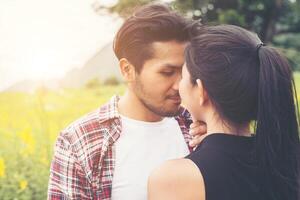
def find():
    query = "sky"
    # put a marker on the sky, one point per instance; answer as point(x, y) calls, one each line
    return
point(43, 39)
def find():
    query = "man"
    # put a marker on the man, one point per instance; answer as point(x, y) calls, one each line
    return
point(109, 153)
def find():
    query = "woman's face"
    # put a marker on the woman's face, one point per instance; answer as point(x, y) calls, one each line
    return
point(190, 94)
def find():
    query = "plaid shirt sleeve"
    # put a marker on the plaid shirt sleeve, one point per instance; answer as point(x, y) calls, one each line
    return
point(67, 177)
point(187, 117)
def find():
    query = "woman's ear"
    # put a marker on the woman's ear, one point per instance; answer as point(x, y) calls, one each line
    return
point(203, 97)
point(127, 70)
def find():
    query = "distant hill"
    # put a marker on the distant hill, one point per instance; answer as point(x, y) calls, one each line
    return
point(102, 65)
point(32, 85)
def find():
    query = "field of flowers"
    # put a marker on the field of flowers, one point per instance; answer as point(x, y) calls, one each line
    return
point(29, 125)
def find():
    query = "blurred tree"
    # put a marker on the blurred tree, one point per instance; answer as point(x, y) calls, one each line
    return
point(290, 44)
point(275, 21)
point(125, 7)
point(112, 81)
point(93, 83)
point(266, 17)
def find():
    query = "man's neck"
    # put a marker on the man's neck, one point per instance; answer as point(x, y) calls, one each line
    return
point(130, 106)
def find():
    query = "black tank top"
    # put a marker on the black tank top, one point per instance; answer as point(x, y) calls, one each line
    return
point(228, 168)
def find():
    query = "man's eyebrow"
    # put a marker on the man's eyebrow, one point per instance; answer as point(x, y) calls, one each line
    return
point(171, 66)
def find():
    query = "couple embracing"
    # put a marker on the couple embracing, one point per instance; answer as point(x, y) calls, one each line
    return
point(208, 114)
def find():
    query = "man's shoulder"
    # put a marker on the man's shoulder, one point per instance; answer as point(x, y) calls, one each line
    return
point(87, 137)
point(92, 126)
point(88, 127)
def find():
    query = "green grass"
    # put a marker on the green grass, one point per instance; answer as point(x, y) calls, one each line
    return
point(297, 82)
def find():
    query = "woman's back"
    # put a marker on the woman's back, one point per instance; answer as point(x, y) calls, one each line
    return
point(229, 169)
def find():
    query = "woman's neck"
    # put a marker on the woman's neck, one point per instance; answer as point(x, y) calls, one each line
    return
point(216, 125)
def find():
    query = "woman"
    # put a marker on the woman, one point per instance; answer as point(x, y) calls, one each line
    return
point(230, 80)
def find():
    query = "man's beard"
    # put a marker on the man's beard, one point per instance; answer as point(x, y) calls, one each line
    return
point(158, 110)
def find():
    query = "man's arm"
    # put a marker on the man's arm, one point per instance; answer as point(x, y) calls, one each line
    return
point(67, 178)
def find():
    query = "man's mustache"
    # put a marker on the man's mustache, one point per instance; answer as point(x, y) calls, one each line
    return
point(173, 96)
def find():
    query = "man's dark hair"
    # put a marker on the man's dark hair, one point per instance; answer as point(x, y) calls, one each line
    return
point(150, 23)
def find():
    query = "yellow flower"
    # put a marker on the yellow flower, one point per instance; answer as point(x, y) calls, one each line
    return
point(2, 168)
point(28, 141)
point(44, 158)
point(23, 184)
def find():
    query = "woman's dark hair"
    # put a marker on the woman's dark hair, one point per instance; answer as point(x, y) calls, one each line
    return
point(150, 23)
point(246, 80)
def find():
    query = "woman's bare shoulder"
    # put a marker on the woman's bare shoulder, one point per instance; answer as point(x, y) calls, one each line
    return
point(177, 180)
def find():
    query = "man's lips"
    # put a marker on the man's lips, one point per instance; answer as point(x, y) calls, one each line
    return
point(175, 98)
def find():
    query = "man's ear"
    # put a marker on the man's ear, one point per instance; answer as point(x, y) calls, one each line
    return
point(203, 97)
point(127, 70)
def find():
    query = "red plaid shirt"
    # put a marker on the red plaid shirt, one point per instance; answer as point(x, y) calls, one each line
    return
point(84, 159)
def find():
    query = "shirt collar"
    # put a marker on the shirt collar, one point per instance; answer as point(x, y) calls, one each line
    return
point(109, 110)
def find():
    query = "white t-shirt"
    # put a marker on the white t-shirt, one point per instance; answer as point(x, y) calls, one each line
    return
point(142, 147)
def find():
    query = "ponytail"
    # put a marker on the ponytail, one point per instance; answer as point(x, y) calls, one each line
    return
point(277, 134)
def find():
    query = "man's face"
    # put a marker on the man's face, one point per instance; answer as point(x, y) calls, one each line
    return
point(156, 86)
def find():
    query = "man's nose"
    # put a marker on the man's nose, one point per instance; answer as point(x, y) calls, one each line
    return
point(177, 81)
